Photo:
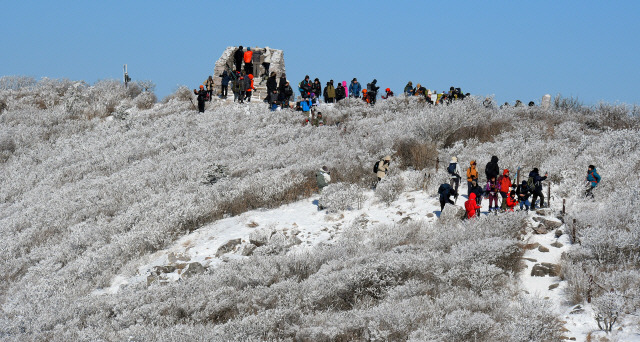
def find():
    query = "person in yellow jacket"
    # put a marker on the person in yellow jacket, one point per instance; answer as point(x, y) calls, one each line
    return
point(383, 167)
point(472, 174)
point(208, 83)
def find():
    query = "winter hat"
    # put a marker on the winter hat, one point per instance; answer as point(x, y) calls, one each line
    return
point(473, 162)
point(387, 90)
point(506, 171)
point(201, 86)
point(535, 169)
point(387, 158)
point(454, 159)
point(524, 182)
point(472, 196)
point(374, 81)
point(325, 168)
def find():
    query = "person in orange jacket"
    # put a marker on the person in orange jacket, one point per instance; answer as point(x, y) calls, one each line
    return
point(472, 174)
point(504, 182)
point(471, 206)
point(511, 200)
point(248, 58)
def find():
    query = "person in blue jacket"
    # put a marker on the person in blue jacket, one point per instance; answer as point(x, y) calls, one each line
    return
point(593, 178)
point(355, 88)
point(225, 84)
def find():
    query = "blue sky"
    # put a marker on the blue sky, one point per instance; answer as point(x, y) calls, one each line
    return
point(513, 49)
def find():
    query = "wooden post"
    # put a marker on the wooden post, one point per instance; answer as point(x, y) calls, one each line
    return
point(518, 175)
point(564, 208)
point(549, 195)
point(437, 162)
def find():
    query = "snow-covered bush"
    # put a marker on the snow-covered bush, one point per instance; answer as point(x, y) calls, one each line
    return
point(390, 188)
point(341, 196)
point(145, 100)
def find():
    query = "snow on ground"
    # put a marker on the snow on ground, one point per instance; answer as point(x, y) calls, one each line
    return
point(580, 322)
point(309, 227)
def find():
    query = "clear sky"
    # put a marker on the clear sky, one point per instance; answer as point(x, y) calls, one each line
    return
point(513, 49)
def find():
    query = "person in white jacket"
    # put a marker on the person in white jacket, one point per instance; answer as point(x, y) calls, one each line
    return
point(454, 173)
point(267, 61)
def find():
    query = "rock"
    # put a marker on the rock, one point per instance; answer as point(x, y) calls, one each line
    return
point(557, 244)
point(543, 249)
point(158, 270)
point(545, 269)
point(174, 257)
point(576, 310)
point(248, 249)
point(540, 229)
point(452, 213)
point(553, 286)
point(544, 212)
point(252, 224)
point(228, 247)
point(405, 219)
point(548, 224)
point(530, 246)
point(530, 259)
point(193, 269)
point(559, 233)
point(430, 215)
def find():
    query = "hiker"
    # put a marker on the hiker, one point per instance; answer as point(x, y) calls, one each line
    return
point(454, 173)
point(273, 100)
point(256, 61)
point(237, 58)
point(365, 96)
point(372, 91)
point(472, 174)
point(408, 89)
point(492, 193)
point(238, 89)
point(306, 106)
point(511, 200)
point(248, 58)
point(339, 92)
point(316, 87)
point(285, 94)
point(532, 104)
point(388, 94)
point(202, 98)
point(329, 93)
point(492, 169)
point(272, 84)
point(504, 185)
point(471, 206)
point(266, 62)
point(355, 88)
point(208, 83)
point(535, 182)
point(224, 85)
point(519, 103)
point(487, 103)
point(478, 191)
point(305, 87)
point(382, 167)
point(323, 177)
point(593, 178)
point(523, 192)
point(248, 84)
point(319, 120)
point(446, 191)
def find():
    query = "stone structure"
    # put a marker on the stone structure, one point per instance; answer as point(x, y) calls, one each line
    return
point(226, 63)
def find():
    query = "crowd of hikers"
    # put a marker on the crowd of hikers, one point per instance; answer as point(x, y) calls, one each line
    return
point(500, 189)
point(280, 94)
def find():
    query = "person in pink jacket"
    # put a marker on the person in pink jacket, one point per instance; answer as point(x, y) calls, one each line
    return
point(346, 89)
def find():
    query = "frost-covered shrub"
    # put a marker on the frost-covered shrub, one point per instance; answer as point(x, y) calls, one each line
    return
point(415, 154)
point(146, 100)
point(182, 93)
point(390, 188)
point(341, 196)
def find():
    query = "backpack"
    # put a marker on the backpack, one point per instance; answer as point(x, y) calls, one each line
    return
point(375, 167)
point(531, 183)
point(444, 189)
point(452, 169)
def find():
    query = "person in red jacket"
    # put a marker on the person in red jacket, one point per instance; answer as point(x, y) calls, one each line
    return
point(471, 206)
point(504, 182)
point(511, 200)
point(250, 87)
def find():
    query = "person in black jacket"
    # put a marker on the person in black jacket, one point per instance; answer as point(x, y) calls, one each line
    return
point(282, 83)
point(237, 58)
point(224, 84)
point(316, 88)
point(272, 85)
point(202, 98)
point(492, 169)
point(446, 191)
point(372, 92)
point(339, 92)
point(285, 94)
point(534, 175)
point(523, 192)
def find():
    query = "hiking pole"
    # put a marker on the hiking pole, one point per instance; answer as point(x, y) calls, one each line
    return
point(194, 106)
